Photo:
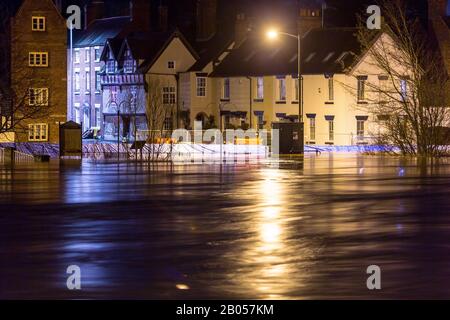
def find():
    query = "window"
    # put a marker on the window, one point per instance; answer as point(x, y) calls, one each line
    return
point(77, 81)
point(133, 97)
point(404, 89)
point(295, 89)
point(113, 97)
point(77, 113)
point(360, 129)
point(87, 55)
point(361, 88)
point(38, 96)
point(171, 64)
point(331, 130)
point(110, 66)
point(330, 89)
point(98, 83)
point(38, 23)
point(169, 95)
point(98, 115)
point(201, 87)
point(226, 89)
point(281, 89)
point(76, 56)
point(88, 82)
point(260, 121)
point(38, 132)
point(260, 88)
point(312, 129)
point(38, 59)
point(97, 54)
point(168, 123)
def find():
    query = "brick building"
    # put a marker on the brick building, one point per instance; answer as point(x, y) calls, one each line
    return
point(39, 70)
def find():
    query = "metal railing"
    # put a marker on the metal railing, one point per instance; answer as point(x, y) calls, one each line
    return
point(22, 157)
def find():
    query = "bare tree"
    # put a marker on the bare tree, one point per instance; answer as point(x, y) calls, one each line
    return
point(159, 110)
point(18, 104)
point(409, 100)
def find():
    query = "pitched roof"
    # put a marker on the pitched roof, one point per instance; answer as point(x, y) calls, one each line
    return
point(100, 31)
point(323, 51)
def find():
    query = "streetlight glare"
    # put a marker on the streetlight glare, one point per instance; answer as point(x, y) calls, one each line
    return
point(272, 34)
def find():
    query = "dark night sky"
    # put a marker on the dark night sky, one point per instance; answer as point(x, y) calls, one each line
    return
point(266, 9)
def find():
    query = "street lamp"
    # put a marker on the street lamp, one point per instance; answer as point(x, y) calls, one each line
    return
point(273, 34)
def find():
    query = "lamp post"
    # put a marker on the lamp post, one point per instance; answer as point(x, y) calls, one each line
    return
point(273, 34)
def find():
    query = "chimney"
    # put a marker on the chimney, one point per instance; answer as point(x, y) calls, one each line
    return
point(93, 11)
point(140, 14)
point(163, 16)
point(309, 18)
point(241, 29)
point(206, 19)
point(437, 8)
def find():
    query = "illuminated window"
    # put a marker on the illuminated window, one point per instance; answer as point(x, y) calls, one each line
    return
point(98, 85)
point(38, 23)
point(38, 132)
point(260, 88)
point(281, 89)
point(87, 55)
point(77, 81)
point(76, 56)
point(38, 96)
point(38, 59)
point(201, 87)
point(88, 81)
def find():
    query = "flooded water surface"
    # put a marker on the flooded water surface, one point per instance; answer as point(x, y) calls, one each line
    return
point(254, 231)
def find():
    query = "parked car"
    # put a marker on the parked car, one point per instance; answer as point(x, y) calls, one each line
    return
point(93, 133)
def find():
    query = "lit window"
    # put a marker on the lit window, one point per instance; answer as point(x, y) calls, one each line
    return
point(77, 81)
point(110, 66)
point(260, 88)
point(38, 96)
point(201, 87)
point(76, 56)
point(98, 85)
point(38, 23)
point(38, 132)
point(404, 89)
point(87, 55)
point(281, 89)
point(88, 82)
point(171, 64)
point(169, 95)
point(38, 59)
point(97, 54)
point(226, 89)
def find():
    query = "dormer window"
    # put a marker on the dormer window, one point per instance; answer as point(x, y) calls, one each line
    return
point(38, 23)
point(129, 63)
point(110, 66)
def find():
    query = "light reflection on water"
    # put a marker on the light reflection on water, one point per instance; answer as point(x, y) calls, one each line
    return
point(235, 231)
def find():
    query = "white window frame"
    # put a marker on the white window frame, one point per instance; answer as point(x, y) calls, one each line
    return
point(77, 81)
point(36, 97)
point(76, 55)
point(169, 95)
point(201, 88)
point(360, 128)
point(97, 50)
point(171, 64)
point(87, 55)
point(87, 74)
point(35, 59)
point(38, 21)
point(36, 129)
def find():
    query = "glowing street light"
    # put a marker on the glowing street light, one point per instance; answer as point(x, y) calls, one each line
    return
point(273, 34)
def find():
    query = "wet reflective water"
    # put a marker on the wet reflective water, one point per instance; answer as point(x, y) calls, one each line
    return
point(235, 231)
